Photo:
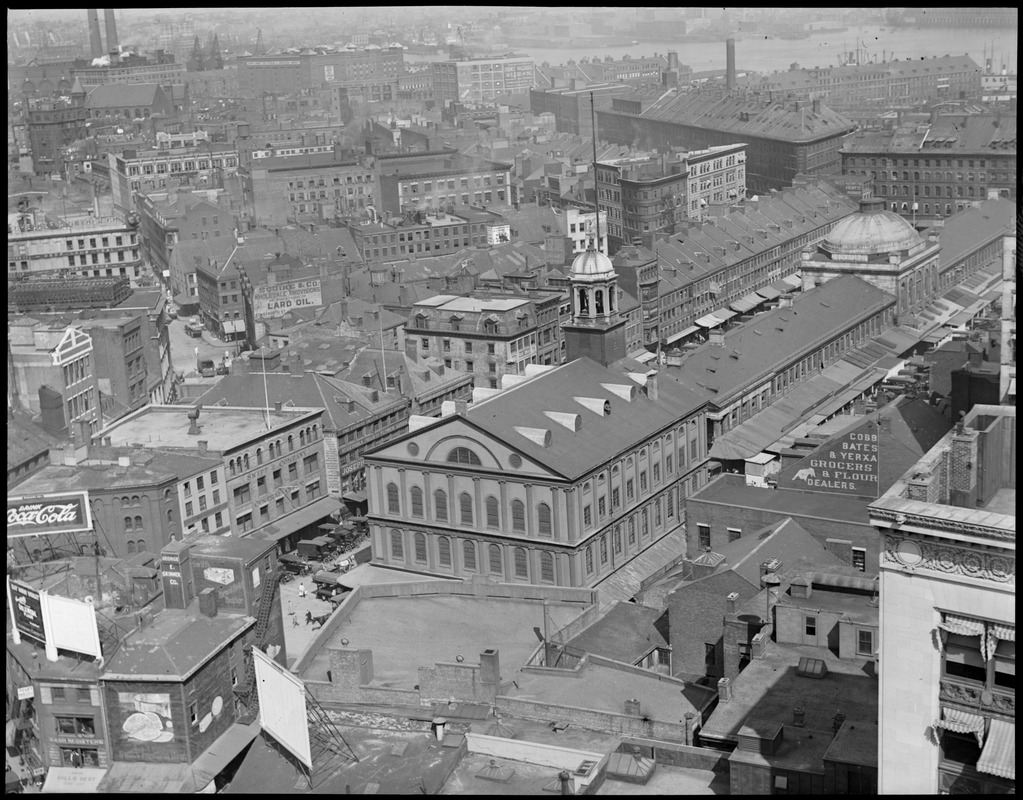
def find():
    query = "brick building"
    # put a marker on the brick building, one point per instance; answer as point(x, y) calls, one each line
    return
point(480, 81)
point(54, 123)
point(287, 73)
point(422, 181)
point(202, 164)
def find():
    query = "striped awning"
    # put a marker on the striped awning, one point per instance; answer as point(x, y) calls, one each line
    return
point(959, 721)
point(1007, 633)
point(964, 626)
point(999, 754)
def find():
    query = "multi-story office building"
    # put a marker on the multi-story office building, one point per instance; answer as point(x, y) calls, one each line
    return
point(90, 247)
point(331, 184)
point(51, 369)
point(926, 172)
point(487, 337)
point(908, 80)
point(54, 123)
point(570, 105)
point(274, 480)
point(783, 137)
point(948, 614)
point(653, 195)
point(286, 73)
point(225, 299)
point(560, 479)
point(428, 234)
point(423, 181)
point(204, 165)
point(480, 81)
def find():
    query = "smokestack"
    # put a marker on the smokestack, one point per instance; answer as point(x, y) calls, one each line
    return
point(730, 64)
point(95, 40)
point(111, 25)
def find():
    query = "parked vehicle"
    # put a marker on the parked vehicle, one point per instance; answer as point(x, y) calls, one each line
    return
point(193, 329)
point(223, 369)
point(207, 368)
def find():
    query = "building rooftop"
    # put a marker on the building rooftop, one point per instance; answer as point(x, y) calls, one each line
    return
point(769, 687)
point(390, 626)
point(947, 135)
point(26, 439)
point(222, 427)
point(120, 95)
point(754, 351)
point(174, 645)
point(964, 231)
point(875, 231)
point(102, 471)
point(626, 633)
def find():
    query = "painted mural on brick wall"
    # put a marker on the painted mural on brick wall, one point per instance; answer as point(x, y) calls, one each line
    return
point(848, 464)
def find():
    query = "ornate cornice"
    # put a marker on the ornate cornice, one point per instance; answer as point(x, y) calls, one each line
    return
point(939, 525)
point(914, 553)
point(977, 699)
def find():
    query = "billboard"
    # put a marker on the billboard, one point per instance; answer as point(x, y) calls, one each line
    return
point(72, 625)
point(48, 513)
point(278, 299)
point(282, 712)
point(26, 610)
point(848, 464)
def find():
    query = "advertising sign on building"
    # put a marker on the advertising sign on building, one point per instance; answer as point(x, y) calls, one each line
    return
point(848, 464)
point(26, 610)
point(48, 513)
point(278, 299)
point(332, 467)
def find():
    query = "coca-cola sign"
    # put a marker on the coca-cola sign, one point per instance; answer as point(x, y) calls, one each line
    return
point(49, 513)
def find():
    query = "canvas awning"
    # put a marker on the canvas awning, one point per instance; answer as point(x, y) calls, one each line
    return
point(747, 303)
point(675, 337)
point(769, 293)
point(963, 626)
point(724, 314)
point(355, 497)
point(296, 520)
point(708, 321)
point(793, 280)
point(222, 752)
point(999, 754)
point(958, 721)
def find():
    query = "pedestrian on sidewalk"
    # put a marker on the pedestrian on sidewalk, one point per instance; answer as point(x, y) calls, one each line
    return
point(301, 590)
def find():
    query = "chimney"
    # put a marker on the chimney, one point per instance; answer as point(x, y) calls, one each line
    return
point(95, 39)
point(633, 708)
point(278, 407)
point(111, 25)
point(732, 603)
point(730, 64)
point(799, 716)
point(490, 668)
point(724, 690)
point(769, 567)
point(124, 461)
point(651, 386)
point(176, 575)
point(716, 337)
point(208, 602)
point(193, 422)
point(204, 447)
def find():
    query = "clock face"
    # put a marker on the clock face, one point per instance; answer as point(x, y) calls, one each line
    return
point(909, 552)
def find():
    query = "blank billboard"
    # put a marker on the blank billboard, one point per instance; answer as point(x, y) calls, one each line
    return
point(71, 625)
point(282, 711)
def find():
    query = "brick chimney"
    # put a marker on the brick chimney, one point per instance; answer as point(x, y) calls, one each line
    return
point(732, 603)
point(724, 690)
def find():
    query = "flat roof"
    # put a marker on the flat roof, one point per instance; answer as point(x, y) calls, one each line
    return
point(222, 427)
point(406, 633)
point(626, 633)
point(725, 490)
point(769, 687)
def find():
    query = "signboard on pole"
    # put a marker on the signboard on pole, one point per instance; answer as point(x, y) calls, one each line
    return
point(848, 464)
point(42, 514)
point(278, 299)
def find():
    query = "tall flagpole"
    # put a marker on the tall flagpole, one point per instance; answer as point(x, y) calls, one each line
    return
point(596, 203)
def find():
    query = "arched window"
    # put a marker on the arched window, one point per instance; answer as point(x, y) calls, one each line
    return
point(259, 456)
point(417, 501)
point(135, 501)
point(543, 513)
point(465, 508)
point(463, 455)
point(128, 525)
point(547, 567)
point(444, 551)
point(170, 516)
point(518, 510)
point(521, 568)
point(131, 547)
point(392, 499)
point(138, 523)
point(231, 466)
point(420, 542)
point(496, 567)
point(493, 518)
point(245, 459)
point(603, 549)
point(440, 505)
point(397, 550)
point(301, 438)
point(141, 545)
point(291, 443)
point(469, 555)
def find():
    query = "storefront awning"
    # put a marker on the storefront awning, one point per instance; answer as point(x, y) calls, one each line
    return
point(793, 280)
point(724, 314)
point(76, 780)
point(747, 303)
point(224, 750)
point(234, 326)
point(683, 334)
point(296, 520)
point(958, 721)
point(769, 293)
point(355, 497)
point(709, 321)
point(963, 626)
point(999, 754)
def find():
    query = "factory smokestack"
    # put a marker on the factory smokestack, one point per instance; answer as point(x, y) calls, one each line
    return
point(111, 25)
point(730, 64)
point(95, 40)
